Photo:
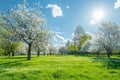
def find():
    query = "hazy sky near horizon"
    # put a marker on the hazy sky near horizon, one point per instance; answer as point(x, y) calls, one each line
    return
point(63, 16)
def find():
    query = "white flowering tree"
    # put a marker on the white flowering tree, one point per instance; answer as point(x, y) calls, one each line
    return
point(62, 50)
point(108, 37)
point(86, 46)
point(96, 44)
point(52, 49)
point(27, 24)
point(39, 45)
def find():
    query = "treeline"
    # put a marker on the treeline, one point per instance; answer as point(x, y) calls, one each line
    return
point(24, 30)
point(105, 40)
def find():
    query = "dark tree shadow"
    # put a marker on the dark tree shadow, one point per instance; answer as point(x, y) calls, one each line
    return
point(18, 57)
point(112, 63)
point(13, 62)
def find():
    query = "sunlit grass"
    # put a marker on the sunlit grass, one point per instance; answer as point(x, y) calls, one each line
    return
point(59, 68)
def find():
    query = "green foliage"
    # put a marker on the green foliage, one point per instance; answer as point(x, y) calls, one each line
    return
point(8, 44)
point(84, 38)
point(63, 50)
point(27, 25)
point(59, 68)
point(1, 51)
point(1, 29)
point(8, 48)
point(73, 48)
point(78, 33)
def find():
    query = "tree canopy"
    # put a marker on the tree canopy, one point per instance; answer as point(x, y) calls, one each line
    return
point(25, 24)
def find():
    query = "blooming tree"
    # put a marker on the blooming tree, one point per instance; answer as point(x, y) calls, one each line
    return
point(96, 44)
point(86, 46)
point(79, 31)
point(27, 24)
point(108, 37)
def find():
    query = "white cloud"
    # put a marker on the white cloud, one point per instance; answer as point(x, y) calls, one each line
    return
point(56, 36)
point(73, 35)
point(56, 10)
point(67, 7)
point(60, 38)
point(56, 32)
point(117, 4)
point(58, 45)
point(89, 33)
point(92, 21)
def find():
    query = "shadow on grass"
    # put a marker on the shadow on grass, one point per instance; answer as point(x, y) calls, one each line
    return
point(84, 55)
point(13, 61)
point(12, 64)
point(14, 57)
point(112, 63)
point(7, 65)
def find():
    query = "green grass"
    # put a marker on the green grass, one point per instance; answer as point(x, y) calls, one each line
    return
point(60, 68)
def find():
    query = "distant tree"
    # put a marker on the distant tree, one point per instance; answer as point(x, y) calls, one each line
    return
point(39, 48)
point(96, 45)
point(50, 49)
point(8, 42)
point(85, 47)
point(67, 46)
point(63, 50)
point(73, 49)
point(108, 37)
point(1, 24)
point(26, 23)
point(9, 48)
point(39, 45)
point(14, 47)
point(84, 38)
point(79, 31)
point(21, 49)
point(7, 38)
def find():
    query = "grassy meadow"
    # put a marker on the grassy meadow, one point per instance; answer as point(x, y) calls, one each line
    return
point(60, 68)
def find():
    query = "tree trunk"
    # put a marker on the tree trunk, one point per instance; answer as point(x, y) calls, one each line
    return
point(13, 53)
point(6, 53)
point(108, 53)
point(111, 53)
point(50, 52)
point(44, 53)
point(38, 53)
point(29, 51)
point(9, 54)
point(98, 53)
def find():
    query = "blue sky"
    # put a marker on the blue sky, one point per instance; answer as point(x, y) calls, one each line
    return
point(71, 13)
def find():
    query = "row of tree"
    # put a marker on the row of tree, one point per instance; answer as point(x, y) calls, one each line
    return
point(25, 30)
point(23, 25)
point(106, 39)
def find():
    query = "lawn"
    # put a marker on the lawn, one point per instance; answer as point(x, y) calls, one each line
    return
point(60, 68)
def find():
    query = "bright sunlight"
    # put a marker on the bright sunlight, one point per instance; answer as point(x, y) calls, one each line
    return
point(98, 14)
point(59, 39)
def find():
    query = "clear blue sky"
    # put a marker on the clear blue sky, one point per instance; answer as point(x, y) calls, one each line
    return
point(74, 12)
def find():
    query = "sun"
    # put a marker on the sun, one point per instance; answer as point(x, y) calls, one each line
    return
point(98, 14)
